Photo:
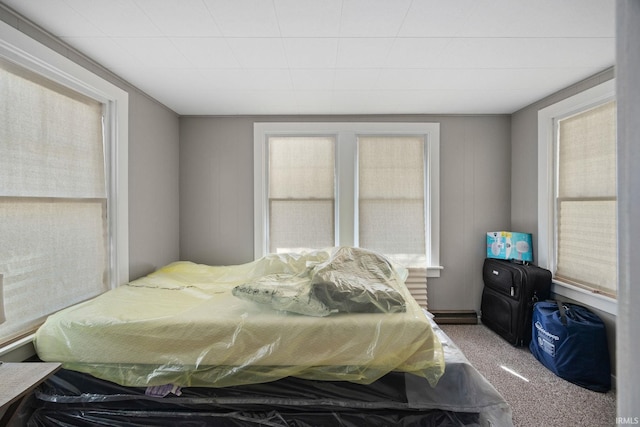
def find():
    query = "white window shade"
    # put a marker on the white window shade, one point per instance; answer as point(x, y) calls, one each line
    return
point(391, 197)
point(586, 200)
point(587, 244)
point(53, 255)
point(301, 192)
point(326, 156)
point(53, 199)
point(587, 154)
point(51, 139)
point(313, 220)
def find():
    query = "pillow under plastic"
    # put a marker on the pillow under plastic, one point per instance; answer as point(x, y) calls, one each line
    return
point(283, 292)
point(355, 280)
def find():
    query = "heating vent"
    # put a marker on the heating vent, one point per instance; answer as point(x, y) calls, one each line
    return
point(417, 284)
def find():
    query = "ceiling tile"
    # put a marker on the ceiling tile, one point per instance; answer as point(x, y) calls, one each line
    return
point(338, 56)
point(259, 52)
point(244, 18)
point(457, 79)
point(361, 19)
point(268, 79)
point(170, 86)
point(224, 79)
point(186, 18)
point(433, 18)
point(527, 53)
point(363, 52)
point(449, 102)
point(116, 18)
point(416, 52)
point(309, 18)
point(356, 79)
point(312, 79)
point(367, 102)
point(268, 102)
point(309, 102)
point(105, 50)
point(156, 52)
point(572, 18)
point(63, 20)
point(206, 52)
point(311, 52)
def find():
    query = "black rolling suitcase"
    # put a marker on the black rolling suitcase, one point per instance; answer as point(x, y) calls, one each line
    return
point(510, 290)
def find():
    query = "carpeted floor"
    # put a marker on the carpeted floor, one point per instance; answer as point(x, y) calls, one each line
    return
point(537, 396)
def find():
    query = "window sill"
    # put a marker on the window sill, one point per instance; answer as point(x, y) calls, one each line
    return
point(434, 270)
point(19, 350)
point(597, 301)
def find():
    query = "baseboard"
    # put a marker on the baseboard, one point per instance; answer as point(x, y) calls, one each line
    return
point(457, 317)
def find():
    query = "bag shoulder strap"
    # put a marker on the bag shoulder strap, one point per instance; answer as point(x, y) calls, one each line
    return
point(563, 313)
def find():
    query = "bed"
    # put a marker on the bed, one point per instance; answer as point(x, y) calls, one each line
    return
point(329, 337)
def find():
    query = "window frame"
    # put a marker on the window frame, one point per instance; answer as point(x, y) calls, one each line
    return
point(20, 49)
point(547, 132)
point(346, 221)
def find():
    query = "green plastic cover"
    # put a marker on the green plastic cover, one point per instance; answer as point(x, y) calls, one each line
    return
point(183, 325)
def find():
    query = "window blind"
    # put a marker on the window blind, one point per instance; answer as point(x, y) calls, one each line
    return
point(390, 175)
point(301, 192)
point(391, 197)
point(53, 198)
point(586, 199)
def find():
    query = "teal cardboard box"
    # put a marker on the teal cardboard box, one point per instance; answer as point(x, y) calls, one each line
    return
point(509, 245)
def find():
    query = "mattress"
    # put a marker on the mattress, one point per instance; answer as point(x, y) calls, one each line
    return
point(187, 325)
point(462, 397)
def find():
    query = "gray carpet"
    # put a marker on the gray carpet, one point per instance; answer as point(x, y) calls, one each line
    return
point(542, 398)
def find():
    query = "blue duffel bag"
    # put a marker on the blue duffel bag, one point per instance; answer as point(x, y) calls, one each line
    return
point(571, 341)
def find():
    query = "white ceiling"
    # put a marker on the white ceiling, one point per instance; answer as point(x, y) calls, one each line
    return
point(228, 57)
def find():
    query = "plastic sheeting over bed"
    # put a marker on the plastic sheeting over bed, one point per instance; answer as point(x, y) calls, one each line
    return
point(339, 314)
point(462, 397)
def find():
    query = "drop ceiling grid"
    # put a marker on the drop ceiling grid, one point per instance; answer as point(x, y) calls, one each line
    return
point(338, 56)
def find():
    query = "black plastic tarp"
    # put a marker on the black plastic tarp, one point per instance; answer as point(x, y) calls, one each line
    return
point(75, 399)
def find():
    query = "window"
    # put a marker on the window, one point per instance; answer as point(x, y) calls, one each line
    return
point(577, 196)
point(586, 199)
point(62, 223)
point(373, 185)
point(391, 197)
point(301, 192)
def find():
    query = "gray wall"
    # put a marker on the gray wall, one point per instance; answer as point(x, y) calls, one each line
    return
point(154, 202)
point(216, 190)
point(153, 163)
